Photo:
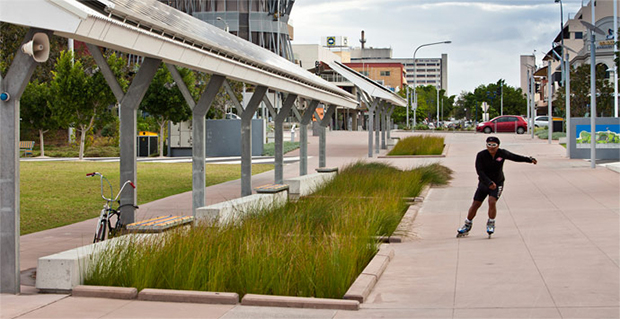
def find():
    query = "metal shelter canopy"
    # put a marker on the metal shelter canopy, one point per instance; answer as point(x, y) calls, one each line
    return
point(367, 85)
point(152, 29)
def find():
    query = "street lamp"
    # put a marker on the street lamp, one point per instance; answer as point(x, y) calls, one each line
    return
point(415, 96)
point(562, 38)
point(225, 23)
point(566, 79)
point(593, 31)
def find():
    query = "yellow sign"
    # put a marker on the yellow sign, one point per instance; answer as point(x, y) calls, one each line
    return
point(331, 41)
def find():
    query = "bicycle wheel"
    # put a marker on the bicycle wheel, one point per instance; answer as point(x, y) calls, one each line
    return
point(100, 233)
point(118, 226)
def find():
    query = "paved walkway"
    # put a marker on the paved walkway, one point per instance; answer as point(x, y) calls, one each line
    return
point(555, 253)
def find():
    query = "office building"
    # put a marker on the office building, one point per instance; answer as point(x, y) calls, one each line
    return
point(262, 22)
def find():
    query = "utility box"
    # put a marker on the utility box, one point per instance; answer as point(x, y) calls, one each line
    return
point(222, 138)
point(147, 143)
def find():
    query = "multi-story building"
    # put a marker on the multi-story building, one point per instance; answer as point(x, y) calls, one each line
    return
point(428, 71)
point(262, 22)
point(576, 39)
point(387, 73)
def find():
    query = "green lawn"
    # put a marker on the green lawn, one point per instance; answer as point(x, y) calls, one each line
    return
point(54, 194)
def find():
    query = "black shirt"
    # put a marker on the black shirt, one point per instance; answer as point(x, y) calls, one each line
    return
point(490, 169)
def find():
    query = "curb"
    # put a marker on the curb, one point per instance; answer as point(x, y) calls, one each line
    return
point(167, 295)
point(366, 281)
point(357, 293)
point(298, 302)
point(442, 155)
point(105, 292)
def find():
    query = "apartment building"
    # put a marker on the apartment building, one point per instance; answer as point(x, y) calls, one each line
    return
point(576, 39)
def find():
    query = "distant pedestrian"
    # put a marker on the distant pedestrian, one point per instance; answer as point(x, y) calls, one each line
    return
point(489, 166)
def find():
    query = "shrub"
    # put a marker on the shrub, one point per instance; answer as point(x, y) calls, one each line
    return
point(315, 247)
point(418, 145)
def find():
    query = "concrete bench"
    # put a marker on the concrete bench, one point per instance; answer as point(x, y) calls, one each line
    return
point(305, 185)
point(230, 211)
point(26, 147)
point(62, 271)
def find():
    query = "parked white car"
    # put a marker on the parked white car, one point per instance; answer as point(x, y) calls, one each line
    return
point(543, 121)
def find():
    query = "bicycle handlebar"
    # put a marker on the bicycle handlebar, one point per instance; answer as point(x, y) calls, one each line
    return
point(101, 178)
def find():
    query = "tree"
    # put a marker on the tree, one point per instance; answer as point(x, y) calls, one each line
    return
point(580, 93)
point(80, 94)
point(164, 101)
point(513, 99)
point(11, 37)
point(35, 109)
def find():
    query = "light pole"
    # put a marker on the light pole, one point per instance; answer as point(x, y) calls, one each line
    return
point(227, 29)
point(593, 30)
point(415, 96)
point(562, 38)
point(566, 79)
point(616, 52)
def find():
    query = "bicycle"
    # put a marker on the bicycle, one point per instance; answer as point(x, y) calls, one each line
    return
point(107, 213)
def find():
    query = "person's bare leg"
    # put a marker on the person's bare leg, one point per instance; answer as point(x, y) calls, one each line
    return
point(471, 214)
point(492, 207)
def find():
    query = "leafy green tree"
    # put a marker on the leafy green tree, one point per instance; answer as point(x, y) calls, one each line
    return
point(513, 100)
point(11, 37)
point(80, 94)
point(580, 93)
point(164, 102)
point(35, 110)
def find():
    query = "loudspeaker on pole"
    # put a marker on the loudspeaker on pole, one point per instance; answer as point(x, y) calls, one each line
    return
point(38, 48)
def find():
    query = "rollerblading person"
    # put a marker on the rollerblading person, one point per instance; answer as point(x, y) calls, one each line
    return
point(489, 166)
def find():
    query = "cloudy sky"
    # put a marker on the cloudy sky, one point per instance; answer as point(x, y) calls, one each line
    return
point(487, 36)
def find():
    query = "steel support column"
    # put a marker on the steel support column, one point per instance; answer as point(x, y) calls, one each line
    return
point(323, 135)
point(389, 122)
point(128, 129)
point(15, 82)
point(303, 136)
point(279, 135)
point(246, 140)
point(372, 107)
point(199, 145)
point(384, 125)
point(378, 111)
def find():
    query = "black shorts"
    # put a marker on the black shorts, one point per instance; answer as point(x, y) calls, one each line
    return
point(483, 191)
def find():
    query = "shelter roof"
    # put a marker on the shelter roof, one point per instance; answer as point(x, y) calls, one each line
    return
point(368, 85)
point(152, 29)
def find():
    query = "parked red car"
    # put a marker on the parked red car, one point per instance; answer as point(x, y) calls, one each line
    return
point(503, 124)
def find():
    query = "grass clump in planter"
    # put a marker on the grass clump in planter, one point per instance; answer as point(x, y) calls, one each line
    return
point(315, 247)
point(418, 145)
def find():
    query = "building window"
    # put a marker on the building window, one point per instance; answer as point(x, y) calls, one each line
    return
point(385, 73)
point(579, 35)
point(365, 73)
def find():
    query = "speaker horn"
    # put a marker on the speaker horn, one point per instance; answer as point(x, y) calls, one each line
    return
point(38, 48)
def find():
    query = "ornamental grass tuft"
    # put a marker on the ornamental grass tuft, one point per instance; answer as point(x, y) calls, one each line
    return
point(418, 145)
point(315, 247)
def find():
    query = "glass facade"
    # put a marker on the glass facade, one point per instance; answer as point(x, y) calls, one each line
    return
point(262, 22)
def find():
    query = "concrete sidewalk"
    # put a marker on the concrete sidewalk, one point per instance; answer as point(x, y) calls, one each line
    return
point(555, 253)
